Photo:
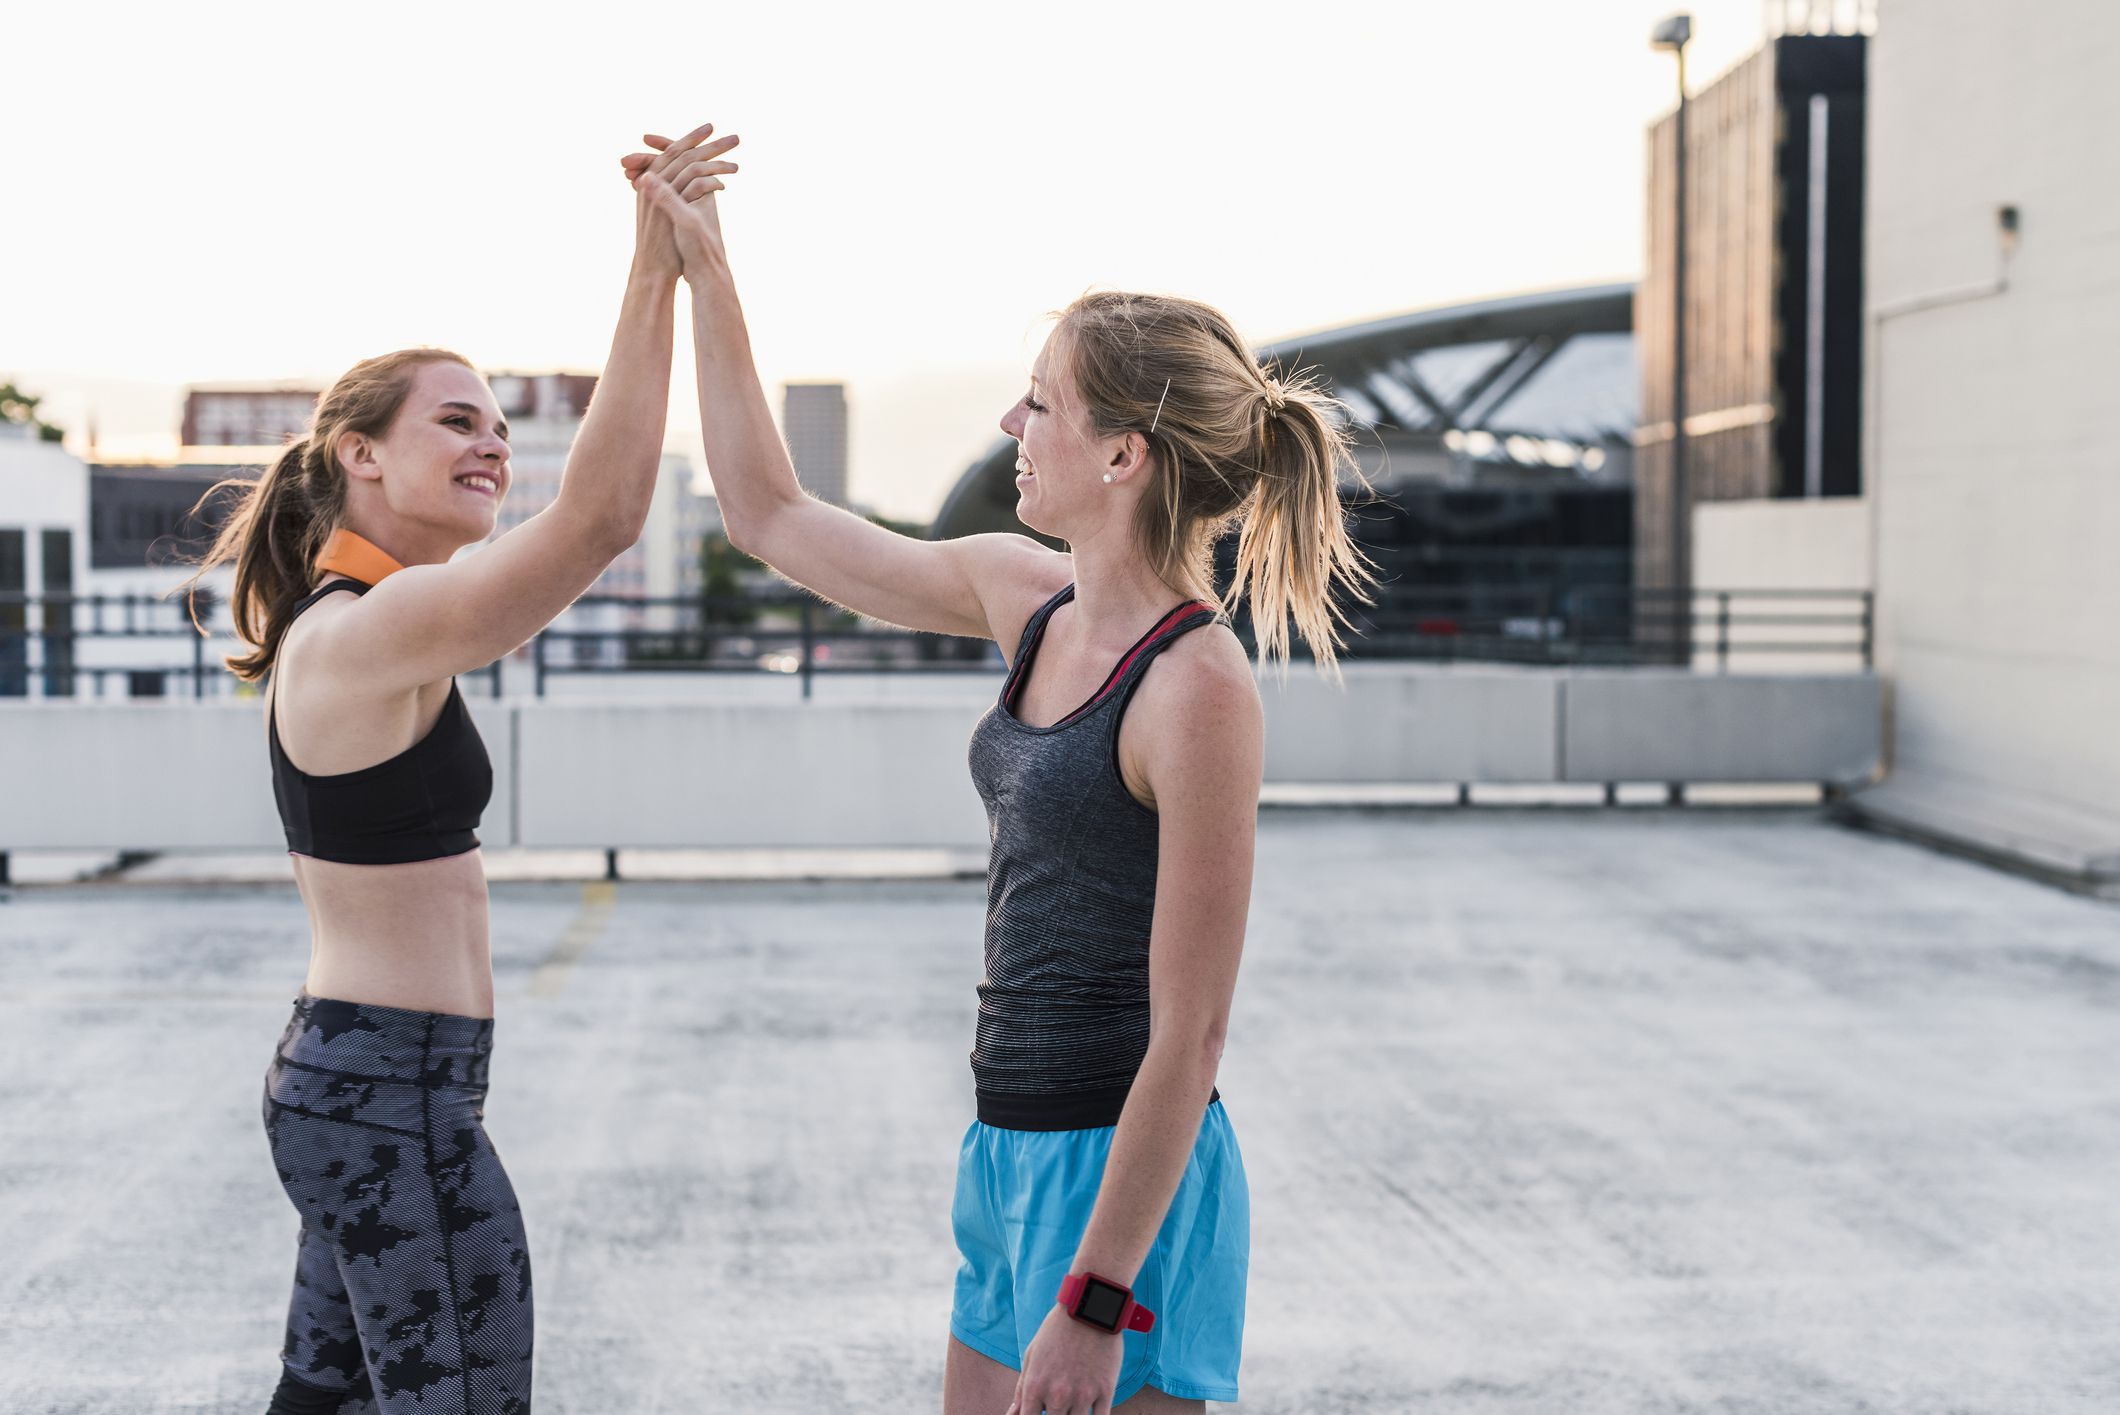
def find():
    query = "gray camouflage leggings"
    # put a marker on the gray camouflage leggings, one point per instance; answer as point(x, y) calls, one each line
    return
point(412, 1279)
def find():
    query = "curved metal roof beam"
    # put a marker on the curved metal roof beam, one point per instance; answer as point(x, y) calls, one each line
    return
point(1523, 374)
point(1351, 356)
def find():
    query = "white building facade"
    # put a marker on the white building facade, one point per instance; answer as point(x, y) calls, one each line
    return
point(1993, 350)
point(544, 412)
point(43, 551)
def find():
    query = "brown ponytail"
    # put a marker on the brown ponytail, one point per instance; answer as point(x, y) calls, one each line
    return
point(1234, 448)
point(281, 522)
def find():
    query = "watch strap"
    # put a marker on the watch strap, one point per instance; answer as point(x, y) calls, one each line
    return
point(1132, 1317)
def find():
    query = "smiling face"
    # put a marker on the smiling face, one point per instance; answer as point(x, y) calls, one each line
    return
point(1060, 461)
point(442, 465)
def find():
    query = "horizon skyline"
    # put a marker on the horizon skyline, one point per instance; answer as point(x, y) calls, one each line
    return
point(169, 449)
point(929, 313)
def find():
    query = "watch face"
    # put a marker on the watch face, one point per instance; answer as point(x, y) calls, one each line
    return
point(1101, 1304)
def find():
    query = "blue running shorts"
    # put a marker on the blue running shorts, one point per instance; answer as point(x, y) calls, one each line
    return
point(1023, 1199)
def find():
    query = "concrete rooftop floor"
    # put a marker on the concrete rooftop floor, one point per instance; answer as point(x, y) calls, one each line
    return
point(1583, 1112)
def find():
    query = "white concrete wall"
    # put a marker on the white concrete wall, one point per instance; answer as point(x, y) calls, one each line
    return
point(1432, 724)
point(726, 774)
point(1781, 545)
point(171, 775)
point(1632, 725)
point(180, 775)
point(1995, 467)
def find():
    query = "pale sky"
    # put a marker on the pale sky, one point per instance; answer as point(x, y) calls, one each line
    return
point(222, 192)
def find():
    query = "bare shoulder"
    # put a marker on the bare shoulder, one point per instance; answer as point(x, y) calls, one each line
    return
point(333, 645)
point(313, 641)
point(1196, 731)
point(1204, 680)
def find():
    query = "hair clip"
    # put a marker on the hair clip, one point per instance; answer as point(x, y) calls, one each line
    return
point(1159, 407)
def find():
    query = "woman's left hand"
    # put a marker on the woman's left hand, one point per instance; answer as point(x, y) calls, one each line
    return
point(1070, 1369)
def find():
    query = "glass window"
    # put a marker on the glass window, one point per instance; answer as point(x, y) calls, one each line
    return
point(58, 623)
point(14, 646)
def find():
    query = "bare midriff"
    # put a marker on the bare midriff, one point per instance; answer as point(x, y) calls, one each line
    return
point(413, 936)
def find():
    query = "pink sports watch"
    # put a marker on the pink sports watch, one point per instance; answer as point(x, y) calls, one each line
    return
point(1104, 1304)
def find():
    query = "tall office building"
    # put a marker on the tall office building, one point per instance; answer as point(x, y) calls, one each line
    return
point(813, 418)
point(1774, 182)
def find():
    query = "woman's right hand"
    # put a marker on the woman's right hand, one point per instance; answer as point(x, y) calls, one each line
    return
point(670, 235)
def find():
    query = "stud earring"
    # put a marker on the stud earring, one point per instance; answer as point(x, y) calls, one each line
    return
point(1107, 478)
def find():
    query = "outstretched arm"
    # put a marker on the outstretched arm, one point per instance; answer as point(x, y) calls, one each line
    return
point(979, 586)
point(430, 621)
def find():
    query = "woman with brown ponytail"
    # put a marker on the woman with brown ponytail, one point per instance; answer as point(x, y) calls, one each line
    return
point(412, 1278)
point(1101, 1209)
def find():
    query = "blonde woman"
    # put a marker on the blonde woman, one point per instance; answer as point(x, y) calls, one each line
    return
point(1101, 1211)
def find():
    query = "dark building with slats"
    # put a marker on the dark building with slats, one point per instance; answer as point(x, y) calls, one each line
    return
point(1773, 299)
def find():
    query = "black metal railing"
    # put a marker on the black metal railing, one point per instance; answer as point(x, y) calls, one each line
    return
point(56, 642)
point(61, 641)
point(42, 636)
point(1616, 625)
point(785, 632)
point(1602, 625)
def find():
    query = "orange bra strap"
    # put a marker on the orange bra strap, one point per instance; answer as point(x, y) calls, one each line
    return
point(349, 555)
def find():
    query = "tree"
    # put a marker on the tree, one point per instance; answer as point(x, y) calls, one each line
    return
point(720, 564)
point(19, 407)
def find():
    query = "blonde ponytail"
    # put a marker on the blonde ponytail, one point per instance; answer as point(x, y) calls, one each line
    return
point(1233, 448)
point(1293, 550)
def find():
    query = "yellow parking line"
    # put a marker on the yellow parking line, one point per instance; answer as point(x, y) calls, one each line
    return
point(587, 926)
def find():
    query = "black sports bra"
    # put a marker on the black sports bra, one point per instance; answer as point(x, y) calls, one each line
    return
point(422, 804)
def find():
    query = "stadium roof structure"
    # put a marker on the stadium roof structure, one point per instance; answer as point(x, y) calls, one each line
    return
point(1543, 380)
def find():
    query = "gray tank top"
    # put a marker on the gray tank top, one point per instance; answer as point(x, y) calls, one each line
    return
point(1070, 895)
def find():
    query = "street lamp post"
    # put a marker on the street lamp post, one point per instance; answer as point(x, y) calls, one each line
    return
point(1673, 33)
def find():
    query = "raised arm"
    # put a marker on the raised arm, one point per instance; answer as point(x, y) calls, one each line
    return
point(980, 586)
point(430, 621)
